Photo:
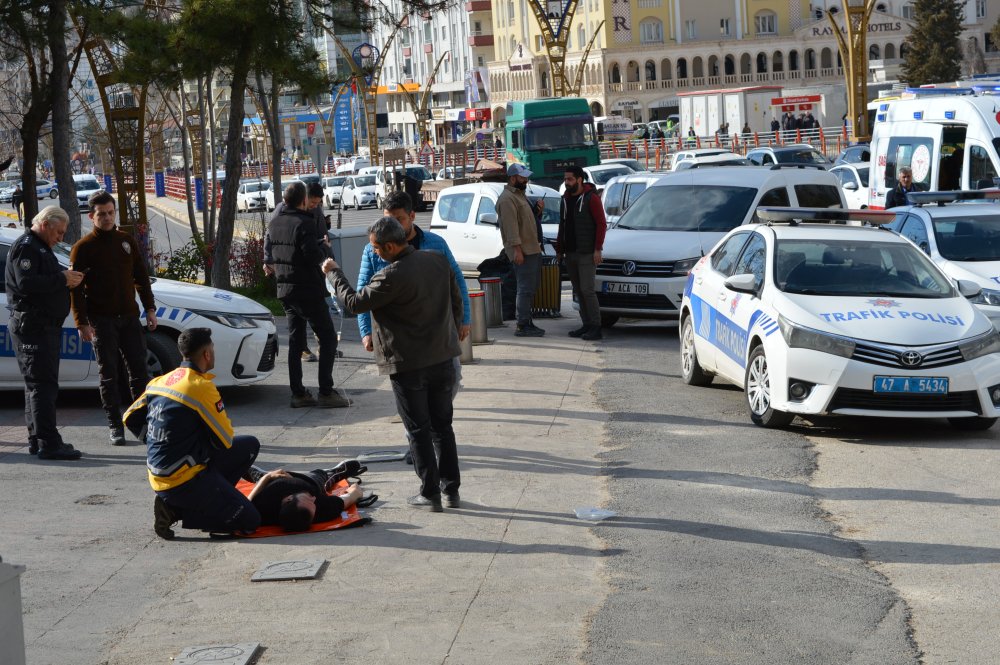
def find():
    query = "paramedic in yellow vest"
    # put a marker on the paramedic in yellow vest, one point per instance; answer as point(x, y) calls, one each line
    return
point(193, 459)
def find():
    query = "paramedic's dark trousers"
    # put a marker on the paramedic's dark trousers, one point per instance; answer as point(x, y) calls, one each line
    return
point(210, 500)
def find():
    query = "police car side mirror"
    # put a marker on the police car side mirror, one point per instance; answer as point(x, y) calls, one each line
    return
point(968, 289)
point(745, 283)
point(489, 218)
point(851, 186)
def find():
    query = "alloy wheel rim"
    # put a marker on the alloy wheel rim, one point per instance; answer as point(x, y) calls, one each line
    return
point(758, 386)
point(687, 350)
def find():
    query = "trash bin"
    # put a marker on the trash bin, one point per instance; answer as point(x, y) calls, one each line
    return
point(494, 303)
point(548, 296)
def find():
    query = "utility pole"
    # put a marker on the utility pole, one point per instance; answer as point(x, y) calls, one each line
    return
point(853, 43)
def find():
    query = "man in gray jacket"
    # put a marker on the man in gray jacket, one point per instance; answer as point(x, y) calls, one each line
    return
point(417, 312)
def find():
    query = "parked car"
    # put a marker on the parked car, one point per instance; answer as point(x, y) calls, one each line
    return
point(86, 185)
point(43, 188)
point(353, 166)
point(960, 232)
point(810, 319)
point(802, 153)
point(417, 172)
point(680, 217)
point(854, 181)
point(622, 191)
point(465, 216)
point(681, 155)
point(633, 164)
point(705, 161)
point(359, 192)
point(270, 199)
point(244, 332)
point(332, 187)
point(599, 175)
point(252, 195)
point(854, 154)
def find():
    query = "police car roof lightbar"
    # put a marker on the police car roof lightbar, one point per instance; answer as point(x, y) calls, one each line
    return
point(824, 215)
point(913, 93)
point(940, 198)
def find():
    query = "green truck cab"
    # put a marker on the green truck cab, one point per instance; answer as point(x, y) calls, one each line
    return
point(550, 135)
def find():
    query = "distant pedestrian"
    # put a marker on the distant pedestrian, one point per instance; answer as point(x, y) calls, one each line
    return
point(746, 129)
point(581, 240)
point(897, 196)
point(16, 199)
point(296, 256)
point(522, 244)
point(416, 311)
point(104, 307)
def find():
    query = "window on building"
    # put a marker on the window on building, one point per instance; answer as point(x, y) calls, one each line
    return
point(724, 27)
point(690, 29)
point(480, 61)
point(539, 44)
point(650, 4)
point(980, 8)
point(477, 27)
point(766, 23)
point(581, 36)
point(427, 32)
point(909, 12)
point(651, 31)
point(510, 11)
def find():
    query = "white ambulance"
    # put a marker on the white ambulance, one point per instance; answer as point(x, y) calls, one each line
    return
point(949, 137)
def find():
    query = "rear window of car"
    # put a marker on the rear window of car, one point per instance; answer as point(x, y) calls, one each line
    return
point(87, 183)
point(455, 207)
point(818, 196)
point(689, 208)
point(804, 156)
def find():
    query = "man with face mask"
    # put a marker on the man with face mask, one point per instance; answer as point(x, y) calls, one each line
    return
point(522, 244)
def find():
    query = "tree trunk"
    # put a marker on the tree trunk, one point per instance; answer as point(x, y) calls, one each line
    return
point(30, 131)
point(61, 125)
point(268, 104)
point(213, 167)
point(234, 138)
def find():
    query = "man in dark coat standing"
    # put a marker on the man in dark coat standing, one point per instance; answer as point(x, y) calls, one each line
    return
point(904, 185)
point(580, 241)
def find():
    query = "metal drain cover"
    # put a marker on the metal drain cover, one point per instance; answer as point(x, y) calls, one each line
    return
point(288, 570)
point(227, 654)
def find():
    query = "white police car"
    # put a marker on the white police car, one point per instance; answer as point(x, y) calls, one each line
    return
point(960, 231)
point(243, 331)
point(821, 318)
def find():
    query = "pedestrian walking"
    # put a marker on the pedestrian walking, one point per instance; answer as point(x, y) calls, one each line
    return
point(296, 257)
point(104, 307)
point(38, 297)
point(193, 457)
point(522, 244)
point(416, 312)
point(580, 241)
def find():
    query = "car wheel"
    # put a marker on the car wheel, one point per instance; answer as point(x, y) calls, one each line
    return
point(691, 370)
point(608, 320)
point(378, 202)
point(972, 424)
point(53, 193)
point(162, 355)
point(757, 389)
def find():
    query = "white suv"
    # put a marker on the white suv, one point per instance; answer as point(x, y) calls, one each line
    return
point(679, 218)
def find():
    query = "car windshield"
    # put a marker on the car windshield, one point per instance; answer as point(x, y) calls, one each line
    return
point(848, 268)
point(309, 179)
point(601, 176)
point(84, 184)
point(334, 182)
point(418, 173)
point(631, 163)
point(551, 213)
point(365, 181)
point(555, 137)
point(803, 156)
point(257, 187)
point(689, 208)
point(968, 238)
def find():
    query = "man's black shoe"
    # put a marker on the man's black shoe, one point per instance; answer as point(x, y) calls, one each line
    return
point(253, 474)
point(32, 446)
point(63, 451)
point(528, 331)
point(117, 435)
point(534, 327)
point(452, 500)
point(163, 518)
point(421, 501)
point(579, 332)
point(408, 458)
point(593, 333)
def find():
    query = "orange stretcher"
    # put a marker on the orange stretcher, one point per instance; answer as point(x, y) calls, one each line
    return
point(348, 518)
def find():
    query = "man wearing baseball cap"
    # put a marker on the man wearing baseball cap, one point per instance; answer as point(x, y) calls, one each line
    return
point(522, 244)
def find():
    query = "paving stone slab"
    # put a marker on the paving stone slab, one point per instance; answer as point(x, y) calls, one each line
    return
point(219, 654)
point(306, 569)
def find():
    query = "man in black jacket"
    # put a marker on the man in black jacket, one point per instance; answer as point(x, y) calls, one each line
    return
point(296, 257)
point(904, 185)
point(416, 311)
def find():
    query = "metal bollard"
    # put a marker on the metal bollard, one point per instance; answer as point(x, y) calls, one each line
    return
point(494, 305)
point(11, 624)
point(477, 302)
point(466, 346)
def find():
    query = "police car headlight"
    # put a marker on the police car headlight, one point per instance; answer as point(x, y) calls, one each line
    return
point(983, 345)
point(798, 337)
point(987, 297)
point(227, 319)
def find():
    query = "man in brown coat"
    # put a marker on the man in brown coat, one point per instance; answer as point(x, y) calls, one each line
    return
point(522, 244)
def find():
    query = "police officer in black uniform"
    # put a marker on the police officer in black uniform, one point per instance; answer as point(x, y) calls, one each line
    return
point(38, 297)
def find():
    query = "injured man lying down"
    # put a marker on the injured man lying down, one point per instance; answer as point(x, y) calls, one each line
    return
point(295, 500)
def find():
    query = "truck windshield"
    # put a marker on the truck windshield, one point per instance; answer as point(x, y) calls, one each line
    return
point(689, 208)
point(555, 137)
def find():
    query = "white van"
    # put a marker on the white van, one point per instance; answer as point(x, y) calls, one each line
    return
point(947, 136)
point(85, 185)
point(353, 166)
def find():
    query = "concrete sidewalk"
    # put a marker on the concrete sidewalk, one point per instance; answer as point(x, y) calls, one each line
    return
point(510, 577)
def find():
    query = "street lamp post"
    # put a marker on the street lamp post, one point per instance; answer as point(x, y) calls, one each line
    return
point(853, 43)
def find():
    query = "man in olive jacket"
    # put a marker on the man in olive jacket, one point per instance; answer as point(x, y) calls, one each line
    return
point(522, 244)
point(417, 312)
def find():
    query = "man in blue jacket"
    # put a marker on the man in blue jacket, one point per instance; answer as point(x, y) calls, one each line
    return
point(399, 205)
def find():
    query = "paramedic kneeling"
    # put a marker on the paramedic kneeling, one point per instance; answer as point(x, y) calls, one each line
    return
point(193, 459)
